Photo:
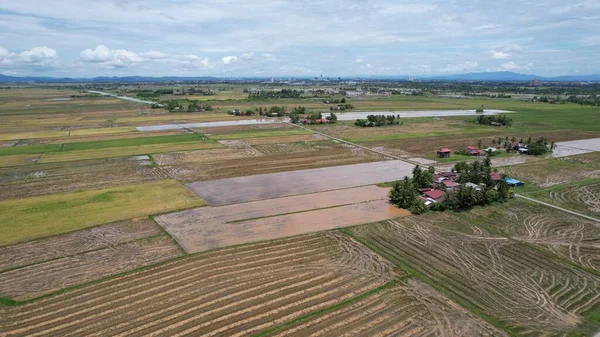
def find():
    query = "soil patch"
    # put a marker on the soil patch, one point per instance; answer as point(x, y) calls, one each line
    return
point(212, 227)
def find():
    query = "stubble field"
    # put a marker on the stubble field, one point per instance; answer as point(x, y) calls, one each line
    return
point(528, 291)
point(234, 292)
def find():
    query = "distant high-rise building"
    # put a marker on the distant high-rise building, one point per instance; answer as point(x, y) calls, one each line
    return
point(536, 82)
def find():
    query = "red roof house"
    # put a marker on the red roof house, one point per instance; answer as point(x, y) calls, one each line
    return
point(496, 176)
point(435, 194)
point(471, 147)
point(444, 152)
point(450, 184)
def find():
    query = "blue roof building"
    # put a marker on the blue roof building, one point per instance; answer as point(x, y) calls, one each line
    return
point(514, 182)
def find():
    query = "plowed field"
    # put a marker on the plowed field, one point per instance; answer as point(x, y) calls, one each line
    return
point(231, 292)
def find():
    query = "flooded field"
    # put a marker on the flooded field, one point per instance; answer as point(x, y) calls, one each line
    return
point(213, 227)
point(125, 98)
point(350, 116)
point(575, 147)
point(276, 185)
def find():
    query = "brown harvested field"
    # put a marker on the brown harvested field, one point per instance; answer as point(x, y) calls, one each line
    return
point(214, 227)
point(98, 137)
point(406, 309)
point(276, 185)
point(52, 275)
point(527, 290)
point(223, 130)
point(428, 145)
point(230, 292)
point(551, 172)
point(285, 139)
point(253, 162)
point(39, 179)
point(569, 236)
point(76, 242)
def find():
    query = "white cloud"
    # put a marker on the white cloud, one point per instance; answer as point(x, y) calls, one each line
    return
point(513, 66)
point(36, 56)
point(229, 59)
point(110, 57)
point(408, 8)
point(488, 26)
point(500, 55)
point(504, 52)
point(358, 60)
point(461, 67)
point(269, 57)
point(39, 56)
point(154, 55)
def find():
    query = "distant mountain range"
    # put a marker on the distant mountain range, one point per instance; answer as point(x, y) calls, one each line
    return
point(483, 76)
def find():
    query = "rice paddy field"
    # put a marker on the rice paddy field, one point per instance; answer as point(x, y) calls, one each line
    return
point(113, 226)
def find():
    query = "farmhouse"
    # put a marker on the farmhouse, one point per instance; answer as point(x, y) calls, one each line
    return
point(444, 152)
point(435, 194)
point(474, 151)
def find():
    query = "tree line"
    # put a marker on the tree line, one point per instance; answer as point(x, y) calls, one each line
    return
point(496, 120)
point(378, 120)
point(283, 93)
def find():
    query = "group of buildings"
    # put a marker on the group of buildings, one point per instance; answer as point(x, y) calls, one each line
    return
point(446, 181)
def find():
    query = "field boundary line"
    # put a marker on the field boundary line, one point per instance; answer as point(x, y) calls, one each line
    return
point(304, 211)
point(359, 146)
point(334, 307)
point(558, 208)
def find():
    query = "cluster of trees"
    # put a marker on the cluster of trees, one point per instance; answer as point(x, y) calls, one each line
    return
point(378, 120)
point(176, 105)
point(196, 106)
point(592, 100)
point(284, 93)
point(539, 146)
point(238, 112)
point(405, 192)
point(334, 101)
point(311, 117)
point(496, 120)
point(343, 106)
point(173, 105)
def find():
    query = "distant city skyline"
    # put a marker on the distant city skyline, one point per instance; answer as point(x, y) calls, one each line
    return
point(297, 38)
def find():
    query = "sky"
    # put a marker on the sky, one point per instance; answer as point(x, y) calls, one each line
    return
point(85, 38)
